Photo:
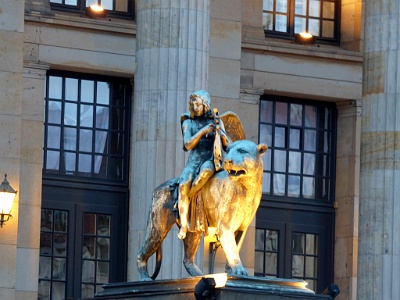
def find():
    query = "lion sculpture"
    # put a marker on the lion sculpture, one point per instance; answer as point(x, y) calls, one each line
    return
point(231, 198)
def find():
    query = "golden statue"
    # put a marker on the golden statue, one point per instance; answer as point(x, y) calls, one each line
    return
point(206, 195)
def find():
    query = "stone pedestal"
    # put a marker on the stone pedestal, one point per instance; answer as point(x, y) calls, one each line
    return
point(236, 288)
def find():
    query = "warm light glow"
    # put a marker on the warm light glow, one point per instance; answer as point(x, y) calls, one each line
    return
point(6, 202)
point(220, 279)
point(96, 8)
point(306, 35)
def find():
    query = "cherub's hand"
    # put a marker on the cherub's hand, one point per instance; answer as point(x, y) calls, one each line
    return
point(209, 128)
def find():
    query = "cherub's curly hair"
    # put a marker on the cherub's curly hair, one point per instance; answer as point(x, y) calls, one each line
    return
point(205, 100)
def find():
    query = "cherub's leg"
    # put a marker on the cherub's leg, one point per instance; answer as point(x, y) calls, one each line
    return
point(183, 206)
point(206, 171)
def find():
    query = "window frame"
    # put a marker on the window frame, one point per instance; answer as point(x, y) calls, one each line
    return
point(290, 34)
point(125, 156)
point(318, 202)
point(80, 8)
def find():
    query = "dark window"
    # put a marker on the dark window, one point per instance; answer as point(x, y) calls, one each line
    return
point(115, 8)
point(85, 194)
point(285, 18)
point(295, 221)
point(85, 132)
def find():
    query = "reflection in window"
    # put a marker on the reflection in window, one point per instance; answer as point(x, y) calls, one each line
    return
point(117, 8)
point(305, 258)
point(95, 253)
point(266, 256)
point(53, 254)
point(85, 127)
point(299, 160)
point(289, 17)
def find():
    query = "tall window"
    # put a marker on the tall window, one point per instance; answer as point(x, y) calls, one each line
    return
point(295, 221)
point(288, 17)
point(85, 127)
point(115, 8)
point(299, 160)
point(85, 194)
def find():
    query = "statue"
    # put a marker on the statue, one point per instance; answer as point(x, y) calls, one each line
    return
point(226, 199)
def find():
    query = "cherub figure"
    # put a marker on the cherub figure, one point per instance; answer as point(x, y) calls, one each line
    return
point(203, 133)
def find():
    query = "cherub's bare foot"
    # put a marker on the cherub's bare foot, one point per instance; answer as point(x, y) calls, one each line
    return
point(182, 233)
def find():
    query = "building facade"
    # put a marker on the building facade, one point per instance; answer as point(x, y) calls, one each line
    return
point(90, 112)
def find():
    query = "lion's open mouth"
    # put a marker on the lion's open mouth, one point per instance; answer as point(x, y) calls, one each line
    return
point(236, 172)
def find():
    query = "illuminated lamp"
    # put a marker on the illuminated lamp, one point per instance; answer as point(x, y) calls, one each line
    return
point(96, 11)
point(7, 196)
point(304, 38)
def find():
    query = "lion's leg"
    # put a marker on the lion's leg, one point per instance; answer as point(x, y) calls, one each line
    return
point(191, 244)
point(160, 220)
point(228, 243)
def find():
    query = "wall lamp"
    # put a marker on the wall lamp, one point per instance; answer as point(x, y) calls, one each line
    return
point(95, 11)
point(208, 286)
point(304, 38)
point(7, 195)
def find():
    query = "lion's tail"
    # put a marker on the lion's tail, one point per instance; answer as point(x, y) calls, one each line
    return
point(158, 263)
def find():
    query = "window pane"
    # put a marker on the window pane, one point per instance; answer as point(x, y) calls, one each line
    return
point(70, 114)
point(314, 8)
point(58, 291)
point(54, 114)
point(85, 140)
point(60, 244)
point(293, 186)
point(294, 162)
point(44, 290)
point(267, 161)
point(59, 268)
point(311, 116)
point(279, 161)
point(121, 5)
point(266, 183)
point(271, 241)
point(310, 140)
point(107, 4)
point(259, 262)
point(89, 223)
point(86, 117)
point(103, 93)
point(104, 271)
point(260, 238)
point(301, 7)
point(271, 263)
point(87, 91)
point(71, 89)
point(70, 160)
point(280, 137)
point(103, 225)
point(328, 11)
point(268, 21)
point(60, 221)
point(282, 6)
point(266, 110)
point(268, 5)
point(102, 117)
point(309, 164)
point(70, 138)
point(46, 243)
point(71, 2)
point(294, 142)
point(313, 27)
point(266, 134)
point(328, 28)
point(299, 25)
point(308, 187)
point(279, 184)
point(312, 244)
point(55, 87)
point(281, 23)
point(298, 266)
point(103, 247)
point(53, 160)
point(85, 163)
point(311, 267)
point(296, 114)
point(53, 137)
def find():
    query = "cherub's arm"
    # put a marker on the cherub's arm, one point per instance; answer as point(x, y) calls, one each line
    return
point(190, 140)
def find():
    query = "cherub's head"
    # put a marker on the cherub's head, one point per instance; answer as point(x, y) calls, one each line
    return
point(200, 104)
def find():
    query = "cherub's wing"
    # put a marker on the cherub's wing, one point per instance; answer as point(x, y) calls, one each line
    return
point(233, 126)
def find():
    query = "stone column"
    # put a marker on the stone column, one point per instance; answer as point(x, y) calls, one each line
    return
point(379, 238)
point(172, 62)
